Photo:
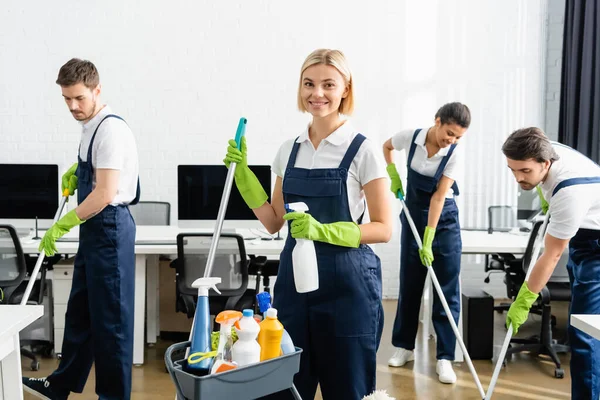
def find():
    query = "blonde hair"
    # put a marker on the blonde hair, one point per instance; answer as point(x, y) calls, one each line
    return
point(336, 59)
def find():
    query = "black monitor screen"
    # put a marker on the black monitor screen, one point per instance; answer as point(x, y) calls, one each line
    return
point(28, 191)
point(200, 188)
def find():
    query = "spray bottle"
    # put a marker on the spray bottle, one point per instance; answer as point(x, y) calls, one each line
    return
point(304, 258)
point(200, 360)
point(223, 358)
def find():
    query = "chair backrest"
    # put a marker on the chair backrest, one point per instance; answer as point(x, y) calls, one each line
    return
point(230, 263)
point(501, 218)
point(12, 261)
point(560, 273)
point(151, 213)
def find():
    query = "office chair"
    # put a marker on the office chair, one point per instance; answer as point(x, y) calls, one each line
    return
point(151, 213)
point(262, 267)
point(13, 271)
point(501, 219)
point(557, 289)
point(230, 264)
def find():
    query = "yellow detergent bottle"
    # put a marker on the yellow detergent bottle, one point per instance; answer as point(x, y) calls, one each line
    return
point(269, 337)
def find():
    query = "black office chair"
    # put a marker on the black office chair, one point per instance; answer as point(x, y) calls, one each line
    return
point(151, 213)
point(230, 264)
point(557, 289)
point(501, 219)
point(265, 268)
point(13, 271)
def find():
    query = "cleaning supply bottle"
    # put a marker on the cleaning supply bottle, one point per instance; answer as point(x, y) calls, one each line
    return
point(304, 258)
point(200, 358)
point(264, 303)
point(269, 337)
point(246, 350)
point(223, 360)
point(287, 345)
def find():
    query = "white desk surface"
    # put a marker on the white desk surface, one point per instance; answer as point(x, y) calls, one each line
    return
point(14, 318)
point(587, 323)
point(162, 240)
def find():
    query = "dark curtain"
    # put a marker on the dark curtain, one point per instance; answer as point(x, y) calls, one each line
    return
point(579, 119)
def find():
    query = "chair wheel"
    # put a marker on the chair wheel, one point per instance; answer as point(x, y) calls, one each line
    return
point(35, 365)
point(559, 373)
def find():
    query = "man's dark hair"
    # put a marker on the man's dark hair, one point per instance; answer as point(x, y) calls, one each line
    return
point(78, 71)
point(529, 143)
point(454, 113)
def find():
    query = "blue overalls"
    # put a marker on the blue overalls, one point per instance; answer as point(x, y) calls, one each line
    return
point(584, 274)
point(447, 247)
point(339, 325)
point(99, 318)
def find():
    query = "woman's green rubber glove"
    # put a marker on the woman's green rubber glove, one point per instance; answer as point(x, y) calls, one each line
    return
point(396, 185)
point(58, 230)
point(342, 233)
point(426, 253)
point(247, 183)
point(519, 309)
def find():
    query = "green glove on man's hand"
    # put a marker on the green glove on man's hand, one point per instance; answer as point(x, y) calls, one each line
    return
point(543, 202)
point(519, 309)
point(396, 185)
point(342, 233)
point(69, 180)
point(247, 183)
point(58, 230)
point(426, 253)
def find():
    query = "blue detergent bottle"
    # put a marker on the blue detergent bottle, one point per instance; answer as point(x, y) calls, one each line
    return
point(200, 358)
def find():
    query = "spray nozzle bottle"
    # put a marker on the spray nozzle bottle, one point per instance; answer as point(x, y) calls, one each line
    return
point(199, 360)
point(223, 358)
point(304, 258)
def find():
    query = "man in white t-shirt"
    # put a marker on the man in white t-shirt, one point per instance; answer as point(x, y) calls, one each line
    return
point(99, 318)
point(570, 190)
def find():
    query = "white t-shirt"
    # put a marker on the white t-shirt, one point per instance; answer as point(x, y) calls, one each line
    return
point(114, 148)
point(576, 206)
point(429, 166)
point(368, 164)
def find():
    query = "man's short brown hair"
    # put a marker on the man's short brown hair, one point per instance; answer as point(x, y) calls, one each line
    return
point(529, 143)
point(78, 71)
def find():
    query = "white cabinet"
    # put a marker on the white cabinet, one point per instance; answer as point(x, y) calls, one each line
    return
point(63, 277)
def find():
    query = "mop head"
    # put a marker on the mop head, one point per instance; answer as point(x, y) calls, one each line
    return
point(378, 395)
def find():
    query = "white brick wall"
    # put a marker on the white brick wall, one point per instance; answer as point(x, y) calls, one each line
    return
point(182, 73)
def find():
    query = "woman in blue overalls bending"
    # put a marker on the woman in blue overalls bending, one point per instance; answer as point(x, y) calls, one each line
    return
point(434, 162)
point(341, 177)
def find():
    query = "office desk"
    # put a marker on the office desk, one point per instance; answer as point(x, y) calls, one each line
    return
point(13, 319)
point(152, 241)
point(587, 323)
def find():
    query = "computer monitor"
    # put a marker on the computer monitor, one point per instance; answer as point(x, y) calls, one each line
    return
point(29, 191)
point(199, 192)
point(528, 204)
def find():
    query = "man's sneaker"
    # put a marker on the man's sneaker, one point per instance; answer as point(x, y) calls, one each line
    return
point(445, 372)
point(42, 389)
point(401, 357)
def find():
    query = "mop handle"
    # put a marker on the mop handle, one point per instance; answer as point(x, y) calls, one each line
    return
point(42, 255)
point(442, 298)
point(534, 256)
point(241, 130)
